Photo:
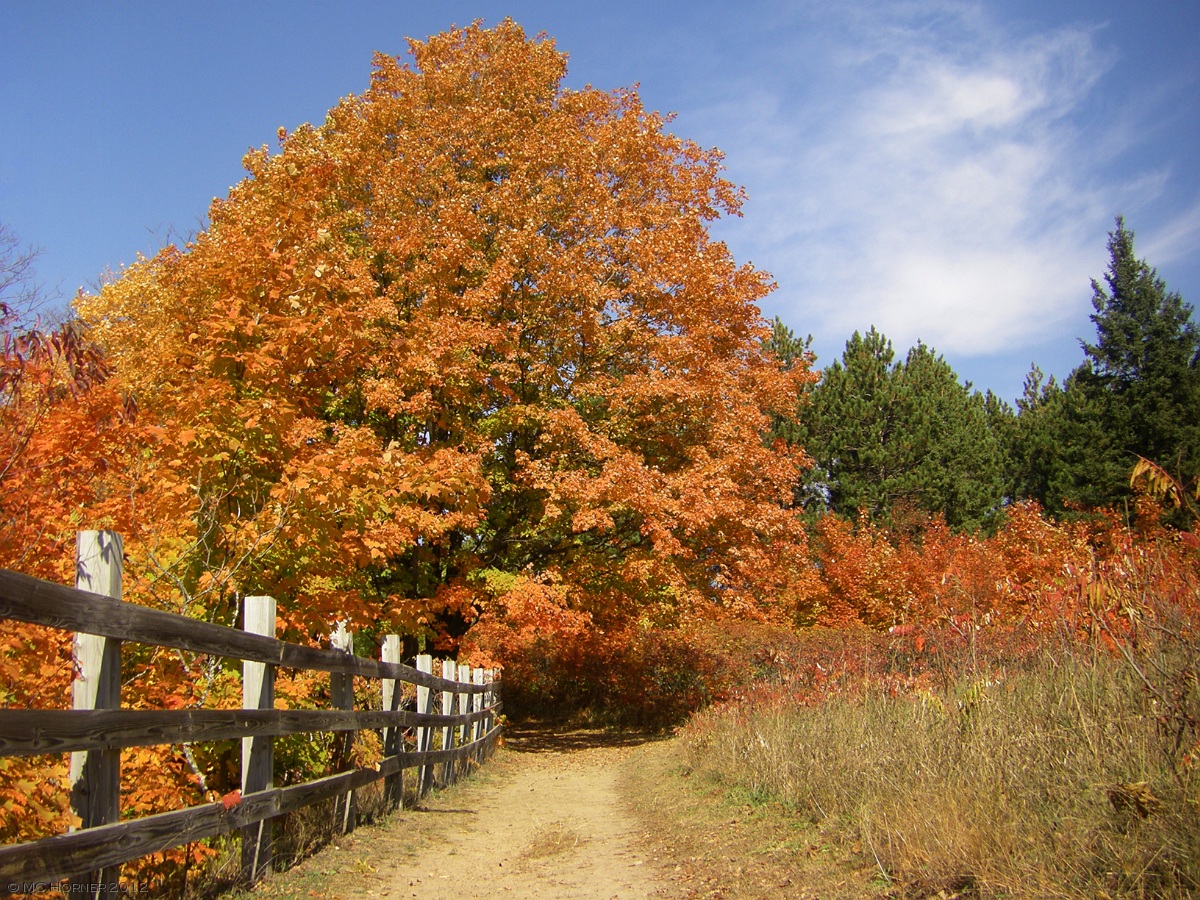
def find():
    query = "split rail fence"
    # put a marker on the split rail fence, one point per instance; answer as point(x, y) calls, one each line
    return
point(465, 727)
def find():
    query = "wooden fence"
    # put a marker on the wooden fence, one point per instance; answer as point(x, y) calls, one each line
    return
point(95, 731)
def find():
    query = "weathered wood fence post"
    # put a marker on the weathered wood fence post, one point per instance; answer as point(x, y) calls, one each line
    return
point(341, 695)
point(258, 692)
point(464, 707)
point(477, 725)
point(424, 732)
point(497, 687)
point(448, 672)
point(489, 678)
point(96, 774)
point(393, 738)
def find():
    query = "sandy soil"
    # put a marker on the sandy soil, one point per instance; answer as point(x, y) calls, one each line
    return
point(545, 818)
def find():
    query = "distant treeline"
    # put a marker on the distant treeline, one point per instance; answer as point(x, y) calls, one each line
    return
point(901, 439)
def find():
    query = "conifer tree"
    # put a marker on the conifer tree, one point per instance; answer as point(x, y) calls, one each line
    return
point(792, 353)
point(957, 467)
point(1137, 391)
point(899, 441)
point(1032, 447)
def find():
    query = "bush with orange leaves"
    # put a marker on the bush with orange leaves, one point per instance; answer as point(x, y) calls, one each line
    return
point(1033, 571)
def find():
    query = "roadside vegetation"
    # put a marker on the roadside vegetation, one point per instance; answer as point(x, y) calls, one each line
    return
point(1060, 774)
point(1050, 749)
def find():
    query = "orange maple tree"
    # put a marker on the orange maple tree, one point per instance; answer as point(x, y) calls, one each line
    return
point(473, 322)
point(461, 362)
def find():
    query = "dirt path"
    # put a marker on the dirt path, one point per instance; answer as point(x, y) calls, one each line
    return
point(544, 819)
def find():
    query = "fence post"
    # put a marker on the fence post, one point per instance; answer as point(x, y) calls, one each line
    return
point(96, 774)
point(464, 707)
point(489, 678)
point(341, 695)
point(477, 725)
point(258, 692)
point(424, 732)
point(448, 672)
point(497, 686)
point(393, 738)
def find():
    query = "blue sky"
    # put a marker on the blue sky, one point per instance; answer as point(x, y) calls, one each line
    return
point(946, 171)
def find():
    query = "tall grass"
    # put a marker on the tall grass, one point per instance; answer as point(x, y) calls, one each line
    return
point(1060, 777)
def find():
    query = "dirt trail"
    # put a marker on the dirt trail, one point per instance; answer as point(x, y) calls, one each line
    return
point(544, 819)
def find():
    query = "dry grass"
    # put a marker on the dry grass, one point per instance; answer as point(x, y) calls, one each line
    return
point(714, 840)
point(551, 840)
point(1058, 781)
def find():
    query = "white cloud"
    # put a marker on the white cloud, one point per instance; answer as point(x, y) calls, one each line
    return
point(942, 192)
point(938, 100)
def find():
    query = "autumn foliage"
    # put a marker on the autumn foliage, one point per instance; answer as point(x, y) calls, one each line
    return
point(463, 363)
point(473, 322)
point(1033, 572)
point(61, 442)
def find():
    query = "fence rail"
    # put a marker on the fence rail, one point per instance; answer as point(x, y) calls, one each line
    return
point(97, 729)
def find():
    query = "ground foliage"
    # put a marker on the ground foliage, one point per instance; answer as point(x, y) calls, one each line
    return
point(1034, 732)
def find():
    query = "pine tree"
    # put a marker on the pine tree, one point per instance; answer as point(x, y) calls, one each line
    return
point(1002, 425)
point(846, 429)
point(1034, 449)
point(957, 467)
point(1138, 390)
point(792, 353)
point(900, 441)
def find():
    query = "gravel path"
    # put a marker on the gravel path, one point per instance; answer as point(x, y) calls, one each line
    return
point(544, 820)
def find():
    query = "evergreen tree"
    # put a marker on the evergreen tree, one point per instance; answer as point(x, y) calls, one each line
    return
point(901, 440)
point(957, 461)
point(791, 352)
point(1033, 449)
point(1138, 390)
point(847, 426)
point(1002, 424)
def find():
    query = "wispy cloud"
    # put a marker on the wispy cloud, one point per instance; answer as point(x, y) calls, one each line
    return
point(1177, 240)
point(942, 188)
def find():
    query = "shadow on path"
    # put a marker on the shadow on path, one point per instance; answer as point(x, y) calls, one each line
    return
point(535, 738)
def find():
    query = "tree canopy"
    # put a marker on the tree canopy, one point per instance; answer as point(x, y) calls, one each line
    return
point(1135, 395)
point(900, 438)
point(463, 350)
point(1141, 377)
